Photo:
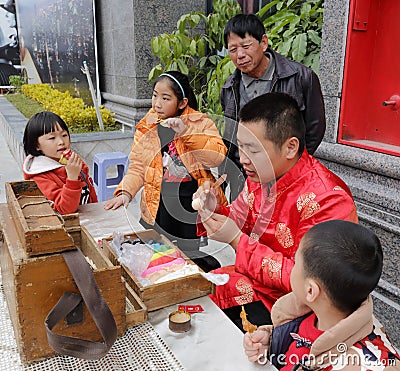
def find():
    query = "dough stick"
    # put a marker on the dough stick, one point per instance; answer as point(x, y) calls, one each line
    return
point(197, 203)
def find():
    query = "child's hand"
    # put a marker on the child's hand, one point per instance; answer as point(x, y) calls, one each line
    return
point(176, 124)
point(256, 344)
point(73, 166)
point(116, 202)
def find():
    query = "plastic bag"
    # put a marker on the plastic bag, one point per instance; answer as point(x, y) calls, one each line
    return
point(136, 257)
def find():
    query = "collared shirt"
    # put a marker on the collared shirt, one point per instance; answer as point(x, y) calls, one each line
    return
point(251, 87)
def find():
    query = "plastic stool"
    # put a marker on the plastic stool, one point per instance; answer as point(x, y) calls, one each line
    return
point(104, 186)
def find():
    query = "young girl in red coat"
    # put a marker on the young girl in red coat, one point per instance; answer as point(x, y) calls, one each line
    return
point(64, 181)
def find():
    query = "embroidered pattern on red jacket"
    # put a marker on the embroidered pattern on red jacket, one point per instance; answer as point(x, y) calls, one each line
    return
point(246, 290)
point(273, 266)
point(306, 205)
point(284, 235)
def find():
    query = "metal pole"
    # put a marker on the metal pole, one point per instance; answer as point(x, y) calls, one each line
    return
point(85, 70)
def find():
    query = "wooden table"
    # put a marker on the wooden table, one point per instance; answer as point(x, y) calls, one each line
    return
point(213, 342)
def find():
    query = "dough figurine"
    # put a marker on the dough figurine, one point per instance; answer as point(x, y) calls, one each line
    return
point(247, 326)
point(197, 203)
point(65, 156)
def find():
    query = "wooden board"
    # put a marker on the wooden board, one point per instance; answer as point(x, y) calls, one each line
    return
point(163, 294)
point(40, 229)
point(33, 285)
point(136, 311)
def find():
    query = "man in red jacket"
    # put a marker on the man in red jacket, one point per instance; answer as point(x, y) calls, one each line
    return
point(287, 191)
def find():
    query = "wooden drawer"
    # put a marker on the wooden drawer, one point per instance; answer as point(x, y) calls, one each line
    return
point(40, 229)
point(163, 294)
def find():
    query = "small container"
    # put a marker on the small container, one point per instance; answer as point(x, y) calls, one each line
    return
point(179, 321)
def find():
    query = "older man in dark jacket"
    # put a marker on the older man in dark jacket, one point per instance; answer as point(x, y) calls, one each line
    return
point(260, 70)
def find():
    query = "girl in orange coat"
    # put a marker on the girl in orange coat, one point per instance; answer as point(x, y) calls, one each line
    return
point(173, 150)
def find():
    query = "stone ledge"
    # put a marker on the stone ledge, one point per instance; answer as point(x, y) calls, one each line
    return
point(13, 122)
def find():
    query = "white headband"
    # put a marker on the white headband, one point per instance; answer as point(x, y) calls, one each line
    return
point(176, 80)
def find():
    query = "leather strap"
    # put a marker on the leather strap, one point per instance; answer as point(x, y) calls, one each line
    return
point(98, 308)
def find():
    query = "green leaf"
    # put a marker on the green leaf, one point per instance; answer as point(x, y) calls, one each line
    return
point(193, 47)
point(195, 20)
point(214, 59)
point(314, 37)
point(151, 74)
point(299, 47)
point(177, 49)
point(182, 66)
point(305, 8)
point(227, 69)
point(315, 63)
point(155, 46)
point(164, 49)
point(288, 33)
point(267, 7)
point(202, 62)
point(285, 46)
point(201, 47)
point(181, 24)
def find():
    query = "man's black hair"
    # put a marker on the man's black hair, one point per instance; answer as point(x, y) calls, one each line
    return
point(346, 258)
point(281, 116)
point(241, 24)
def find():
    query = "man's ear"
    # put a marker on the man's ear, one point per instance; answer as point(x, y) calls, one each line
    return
point(313, 290)
point(264, 41)
point(183, 103)
point(291, 148)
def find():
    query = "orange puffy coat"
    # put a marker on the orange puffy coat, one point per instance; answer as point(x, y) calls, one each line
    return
point(199, 146)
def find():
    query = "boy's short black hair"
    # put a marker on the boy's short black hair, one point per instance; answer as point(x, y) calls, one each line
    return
point(40, 124)
point(281, 116)
point(346, 258)
point(241, 24)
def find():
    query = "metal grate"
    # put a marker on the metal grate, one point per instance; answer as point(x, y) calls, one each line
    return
point(140, 348)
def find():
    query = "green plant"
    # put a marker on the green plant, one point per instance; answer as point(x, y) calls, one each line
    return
point(197, 53)
point(293, 28)
point(17, 81)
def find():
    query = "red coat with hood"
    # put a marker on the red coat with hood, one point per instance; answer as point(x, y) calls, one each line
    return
point(51, 178)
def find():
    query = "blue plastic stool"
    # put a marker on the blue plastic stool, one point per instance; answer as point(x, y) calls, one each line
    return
point(104, 186)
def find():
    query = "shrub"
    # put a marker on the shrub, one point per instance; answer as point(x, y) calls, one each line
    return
point(79, 117)
point(17, 81)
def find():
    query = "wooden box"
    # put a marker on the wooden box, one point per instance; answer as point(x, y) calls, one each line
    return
point(163, 294)
point(40, 229)
point(33, 285)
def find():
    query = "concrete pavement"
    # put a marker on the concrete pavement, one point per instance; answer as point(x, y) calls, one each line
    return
point(10, 170)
